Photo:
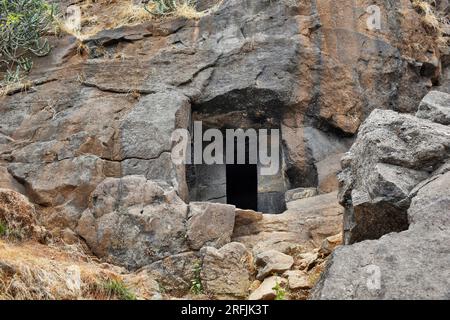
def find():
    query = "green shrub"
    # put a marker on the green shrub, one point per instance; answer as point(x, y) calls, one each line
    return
point(118, 289)
point(3, 229)
point(164, 7)
point(280, 293)
point(11, 231)
point(196, 283)
point(23, 23)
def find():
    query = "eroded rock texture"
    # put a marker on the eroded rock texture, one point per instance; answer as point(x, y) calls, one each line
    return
point(396, 178)
point(89, 140)
point(392, 155)
point(312, 67)
point(134, 222)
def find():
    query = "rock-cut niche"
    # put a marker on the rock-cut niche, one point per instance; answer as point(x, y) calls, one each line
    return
point(242, 185)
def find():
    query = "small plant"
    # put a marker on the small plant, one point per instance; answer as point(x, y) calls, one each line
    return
point(196, 283)
point(161, 287)
point(118, 289)
point(13, 230)
point(3, 229)
point(23, 23)
point(280, 293)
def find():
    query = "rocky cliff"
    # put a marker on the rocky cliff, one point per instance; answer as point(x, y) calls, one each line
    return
point(88, 140)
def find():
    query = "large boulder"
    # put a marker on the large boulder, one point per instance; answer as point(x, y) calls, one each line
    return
point(64, 184)
point(393, 153)
point(435, 107)
point(395, 187)
point(272, 262)
point(409, 265)
point(226, 271)
point(209, 224)
point(134, 222)
point(175, 273)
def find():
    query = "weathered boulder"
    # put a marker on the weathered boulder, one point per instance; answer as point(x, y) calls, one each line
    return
point(393, 153)
point(64, 184)
point(272, 262)
point(174, 274)
point(409, 265)
point(414, 157)
point(209, 224)
point(435, 106)
point(134, 222)
point(266, 291)
point(247, 217)
point(226, 271)
point(298, 280)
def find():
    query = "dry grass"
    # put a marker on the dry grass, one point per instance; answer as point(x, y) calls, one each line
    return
point(432, 19)
point(109, 14)
point(130, 14)
point(188, 12)
point(429, 17)
point(104, 14)
point(23, 85)
point(33, 271)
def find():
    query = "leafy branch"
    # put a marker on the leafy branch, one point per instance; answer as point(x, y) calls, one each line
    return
point(23, 23)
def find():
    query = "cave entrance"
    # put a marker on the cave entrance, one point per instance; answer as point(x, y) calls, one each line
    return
point(247, 186)
point(242, 185)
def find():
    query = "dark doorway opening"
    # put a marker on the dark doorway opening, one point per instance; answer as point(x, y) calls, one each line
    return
point(242, 186)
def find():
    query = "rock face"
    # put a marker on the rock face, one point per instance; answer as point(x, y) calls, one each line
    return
point(89, 142)
point(392, 155)
point(134, 222)
point(412, 264)
point(109, 114)
point(209, 224)
point(226, 271)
